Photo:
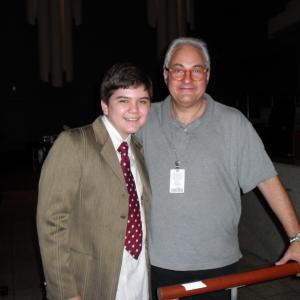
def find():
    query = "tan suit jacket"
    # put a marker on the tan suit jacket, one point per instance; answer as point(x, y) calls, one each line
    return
point(82, 213)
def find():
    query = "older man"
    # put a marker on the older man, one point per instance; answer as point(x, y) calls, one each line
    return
point(199, 154)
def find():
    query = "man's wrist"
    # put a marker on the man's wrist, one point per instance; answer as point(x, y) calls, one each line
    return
point(295, 238)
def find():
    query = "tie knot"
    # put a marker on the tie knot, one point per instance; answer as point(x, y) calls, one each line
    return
point(123, 148)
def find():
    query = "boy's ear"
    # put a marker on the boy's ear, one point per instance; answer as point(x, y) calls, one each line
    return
point(104, 107)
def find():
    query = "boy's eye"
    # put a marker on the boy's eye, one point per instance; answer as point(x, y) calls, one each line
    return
point(144, 101)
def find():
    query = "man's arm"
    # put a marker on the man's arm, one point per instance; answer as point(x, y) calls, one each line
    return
point(280, 203)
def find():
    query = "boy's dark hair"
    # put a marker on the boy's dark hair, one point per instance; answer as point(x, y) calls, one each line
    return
point(124, 75)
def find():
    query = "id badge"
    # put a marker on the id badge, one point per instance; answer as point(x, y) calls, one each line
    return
point(177, 179)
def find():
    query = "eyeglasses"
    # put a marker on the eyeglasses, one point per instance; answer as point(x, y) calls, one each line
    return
point(197, 73)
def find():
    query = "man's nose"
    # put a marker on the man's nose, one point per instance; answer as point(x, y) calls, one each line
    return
point(187, 75)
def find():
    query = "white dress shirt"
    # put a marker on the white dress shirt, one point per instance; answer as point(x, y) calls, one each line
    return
point(133, 279)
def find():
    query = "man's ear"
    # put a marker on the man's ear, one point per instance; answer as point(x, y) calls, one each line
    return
point(104, 107)
point(207, 76)
point(165, 74)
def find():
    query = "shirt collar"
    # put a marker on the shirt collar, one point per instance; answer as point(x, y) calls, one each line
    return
point(168, 118)
point(114, 134)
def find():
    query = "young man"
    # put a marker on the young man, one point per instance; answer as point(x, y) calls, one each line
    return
point(199, 154)
point(92, 211)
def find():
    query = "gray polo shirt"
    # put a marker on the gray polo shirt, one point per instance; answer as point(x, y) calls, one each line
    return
point(221, 154)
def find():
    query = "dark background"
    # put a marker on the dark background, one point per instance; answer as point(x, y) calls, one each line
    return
point(250, 69)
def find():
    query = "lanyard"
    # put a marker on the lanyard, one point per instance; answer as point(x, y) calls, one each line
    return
point(177, 161)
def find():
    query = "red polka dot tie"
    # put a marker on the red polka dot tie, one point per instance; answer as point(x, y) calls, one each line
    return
point(133, 238)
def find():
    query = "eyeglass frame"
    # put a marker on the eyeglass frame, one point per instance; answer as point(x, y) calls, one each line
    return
point(205, 70)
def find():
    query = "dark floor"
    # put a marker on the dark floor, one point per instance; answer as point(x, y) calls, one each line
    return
point(20, 268)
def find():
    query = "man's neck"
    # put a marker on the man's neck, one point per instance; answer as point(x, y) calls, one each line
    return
point(187, 115)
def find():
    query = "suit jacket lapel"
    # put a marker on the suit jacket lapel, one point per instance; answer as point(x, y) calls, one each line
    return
point(108, 153)
point(137, 149)
point(106, 148)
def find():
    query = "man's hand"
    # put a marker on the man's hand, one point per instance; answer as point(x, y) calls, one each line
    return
point(292, 253)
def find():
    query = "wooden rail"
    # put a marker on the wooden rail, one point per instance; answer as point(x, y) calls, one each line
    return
point(227, 281)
